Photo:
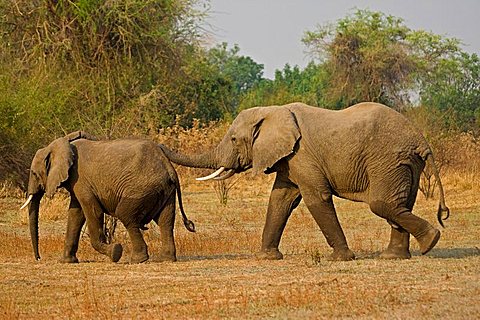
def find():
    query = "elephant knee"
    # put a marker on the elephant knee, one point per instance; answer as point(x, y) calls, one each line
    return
point(386, 210)
point(96, 244)
point(99, 246)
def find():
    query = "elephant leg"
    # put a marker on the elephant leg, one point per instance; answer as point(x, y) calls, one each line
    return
point(284, 198)
point(166, 222)
point(139, 247)
point(426, 235)
point(396, 192)
point(323, 211)
point(76, 220)
point(94, 216)
point(129, 212)
point(398, 248)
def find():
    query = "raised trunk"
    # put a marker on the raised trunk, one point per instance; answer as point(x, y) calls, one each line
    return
point(204, 160)
point(33, 208)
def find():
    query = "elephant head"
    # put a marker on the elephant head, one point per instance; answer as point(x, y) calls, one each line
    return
point(49, 169)
point(258, 138)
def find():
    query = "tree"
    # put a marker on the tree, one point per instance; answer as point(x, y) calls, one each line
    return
point(370, 56)
point(453, 87)
point(113, 68)
point(289, 85)
point(100, 57)
point(366, 56)
point(242, 72)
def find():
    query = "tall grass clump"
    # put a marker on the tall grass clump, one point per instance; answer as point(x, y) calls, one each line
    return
point(456, 153)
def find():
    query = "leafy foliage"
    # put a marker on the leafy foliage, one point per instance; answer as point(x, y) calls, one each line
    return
point(117, 68)
point(240, 72)
point(99, 56)
point(367, 58)
point(290, 84)
point(113, 68)
point(453, 88)
point(370, 56)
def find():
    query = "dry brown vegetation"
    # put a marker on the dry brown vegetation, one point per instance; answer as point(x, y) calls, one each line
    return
point(217, 275)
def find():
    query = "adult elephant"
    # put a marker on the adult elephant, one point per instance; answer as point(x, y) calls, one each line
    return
point(367, 152)
point(130, 179)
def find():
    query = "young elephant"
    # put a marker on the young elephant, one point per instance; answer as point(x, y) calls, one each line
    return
point(130, 179)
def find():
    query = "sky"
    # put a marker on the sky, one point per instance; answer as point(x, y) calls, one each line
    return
point(270, 31)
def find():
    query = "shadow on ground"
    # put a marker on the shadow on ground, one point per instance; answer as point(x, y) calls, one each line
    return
point(440, 253)
point(217, 257)
point(447, 253)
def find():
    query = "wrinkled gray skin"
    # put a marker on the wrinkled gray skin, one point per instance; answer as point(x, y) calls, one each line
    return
point(130, 179)
point(368, 153)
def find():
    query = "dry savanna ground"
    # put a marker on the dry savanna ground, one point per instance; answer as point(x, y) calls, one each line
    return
point(217, 275)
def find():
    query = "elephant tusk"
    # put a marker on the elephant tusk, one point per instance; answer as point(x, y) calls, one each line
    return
point(211, 176)
point(27, 202)
point(227, 175)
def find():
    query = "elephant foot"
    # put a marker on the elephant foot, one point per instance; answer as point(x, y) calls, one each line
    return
point(116, 252)
point(139, 257)
point(398, 248)
point(69, 259)
point(166, 258)
point(392, 254)
point(342, 255)
point(272, 254)
point(428, 240)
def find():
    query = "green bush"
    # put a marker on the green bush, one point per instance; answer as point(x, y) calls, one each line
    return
point(113, 68)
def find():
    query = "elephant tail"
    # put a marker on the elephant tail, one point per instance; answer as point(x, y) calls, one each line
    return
point(442, 207)
point(189, 225)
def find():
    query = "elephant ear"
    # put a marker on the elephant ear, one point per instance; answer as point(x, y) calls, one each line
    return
point(275, 134)
point(58, 160)
point(72, 136)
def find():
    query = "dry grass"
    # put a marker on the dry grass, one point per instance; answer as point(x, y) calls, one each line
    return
point(217, 276)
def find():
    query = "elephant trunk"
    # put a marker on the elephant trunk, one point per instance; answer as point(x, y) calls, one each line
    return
point(33, 209)
point(204, 160)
